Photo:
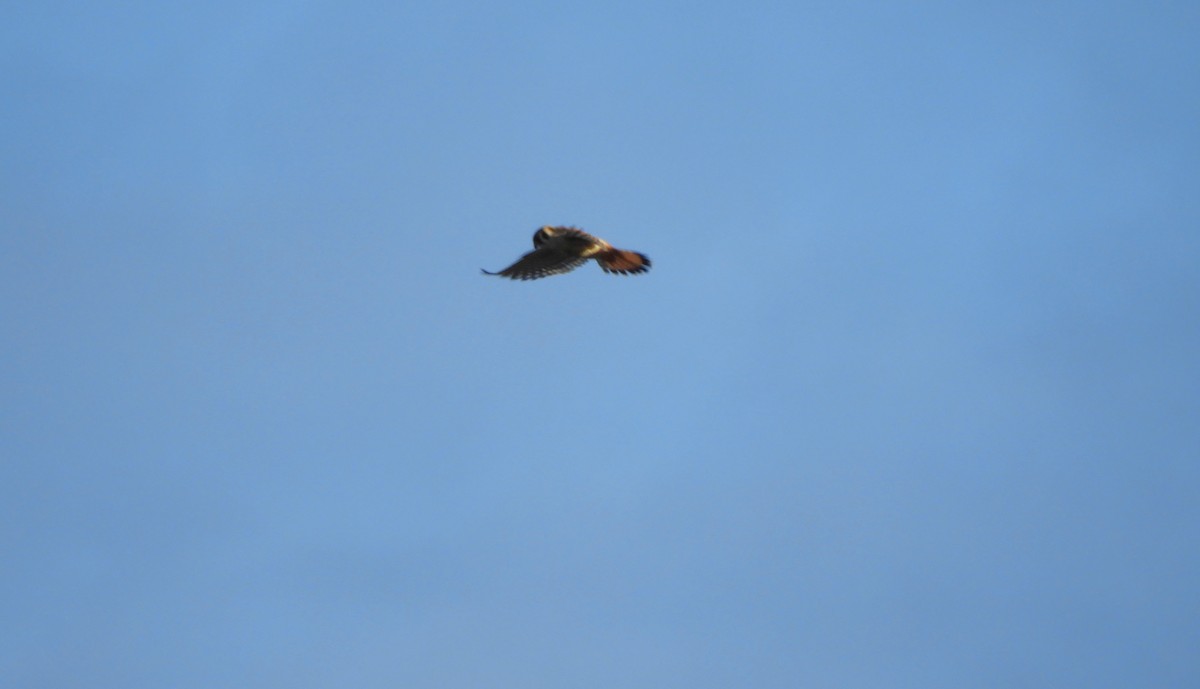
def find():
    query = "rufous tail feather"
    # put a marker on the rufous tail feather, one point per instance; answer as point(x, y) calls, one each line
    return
point(623, 262)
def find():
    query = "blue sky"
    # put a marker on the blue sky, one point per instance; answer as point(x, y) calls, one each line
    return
point(909, 398)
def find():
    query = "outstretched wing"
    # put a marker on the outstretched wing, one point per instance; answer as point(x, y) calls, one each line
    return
point(539, 264)
point(577, 235)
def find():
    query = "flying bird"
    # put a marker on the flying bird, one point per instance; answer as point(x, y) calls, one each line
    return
point(563, 249)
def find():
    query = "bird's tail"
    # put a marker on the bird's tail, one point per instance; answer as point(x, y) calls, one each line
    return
point(623, 262)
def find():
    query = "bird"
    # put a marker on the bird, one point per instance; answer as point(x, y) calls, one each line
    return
point(558, 250)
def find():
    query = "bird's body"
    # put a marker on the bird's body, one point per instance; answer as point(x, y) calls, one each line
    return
point(559, 250)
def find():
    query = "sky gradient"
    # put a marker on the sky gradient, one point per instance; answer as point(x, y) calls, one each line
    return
point(911, 397)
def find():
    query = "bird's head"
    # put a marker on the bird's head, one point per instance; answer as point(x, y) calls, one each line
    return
point(544, 232)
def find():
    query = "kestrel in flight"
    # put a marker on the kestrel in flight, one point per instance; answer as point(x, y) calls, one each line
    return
point(563, 249)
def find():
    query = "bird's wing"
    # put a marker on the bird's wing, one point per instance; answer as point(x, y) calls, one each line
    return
point(578, 235)
point(539, 264)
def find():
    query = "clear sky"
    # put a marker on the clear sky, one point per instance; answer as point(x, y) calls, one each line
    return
point(911, 397)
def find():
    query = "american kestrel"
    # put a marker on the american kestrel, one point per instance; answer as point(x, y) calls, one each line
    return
point(563, 249)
